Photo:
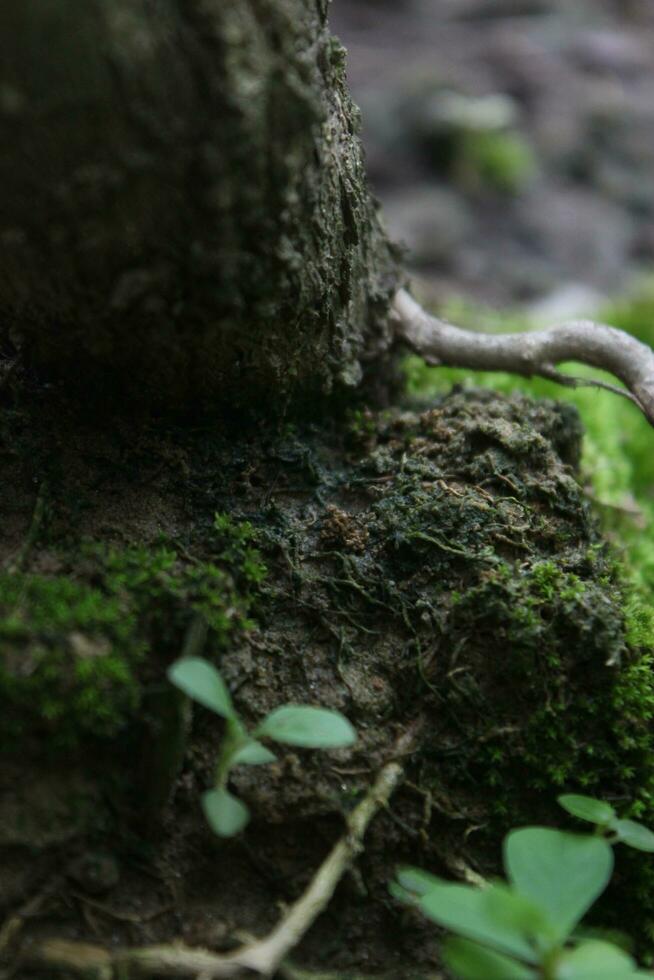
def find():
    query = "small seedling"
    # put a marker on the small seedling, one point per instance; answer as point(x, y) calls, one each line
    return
point(526, 929)
point(607, 822)
point(290, 724)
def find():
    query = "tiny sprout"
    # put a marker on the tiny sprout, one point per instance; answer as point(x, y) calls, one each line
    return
point(290, 724)
point(607, 822)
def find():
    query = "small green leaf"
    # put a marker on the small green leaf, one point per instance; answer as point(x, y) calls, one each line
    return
point(312, 728)
point(588, 808)
point(226, 815)
point(634, 834)
point(595, 960)
point(562, 873)
point(466, 910)
point(418, 882)
point(252, 753)
point(473, 962)
point(202, 682)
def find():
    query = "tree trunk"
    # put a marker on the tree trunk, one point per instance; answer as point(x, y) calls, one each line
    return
point(183, 210)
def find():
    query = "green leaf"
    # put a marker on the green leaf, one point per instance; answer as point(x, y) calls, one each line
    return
point(226, 815)
point(252, 753)
point(313, 728)
point(595, 960)
point(202, 682)
point(466, 910)
point(588, 808)
point(634, 834)
point(418, 882)
point(473, 962)
point(521, 915)
point(562, 873)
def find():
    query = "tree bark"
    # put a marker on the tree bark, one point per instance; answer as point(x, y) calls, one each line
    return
point(184, 216)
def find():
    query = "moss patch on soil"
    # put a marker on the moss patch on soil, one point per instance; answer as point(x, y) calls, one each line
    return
point(440, 563)
point(79, 646)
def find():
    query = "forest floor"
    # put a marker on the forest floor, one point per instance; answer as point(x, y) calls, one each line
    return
point(434, 568)
point(438, 565)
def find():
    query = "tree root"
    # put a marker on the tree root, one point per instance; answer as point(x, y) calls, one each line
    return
point(261, 957)
point(534, 353)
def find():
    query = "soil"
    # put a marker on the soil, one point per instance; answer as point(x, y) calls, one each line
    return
point(432, 563)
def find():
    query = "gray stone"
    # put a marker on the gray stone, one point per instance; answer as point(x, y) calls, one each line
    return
point(431, 222)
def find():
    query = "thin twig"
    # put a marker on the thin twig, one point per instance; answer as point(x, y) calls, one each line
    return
point(534, 353)
point(264, 956)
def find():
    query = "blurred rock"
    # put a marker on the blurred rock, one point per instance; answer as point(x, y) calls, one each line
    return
point(556, 196)
point(497, 9)
point(585, 238)
point(431, 222)
point(611, 52)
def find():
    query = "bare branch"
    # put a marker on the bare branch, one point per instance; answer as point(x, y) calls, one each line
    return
point(261, 957)
point(534, 353)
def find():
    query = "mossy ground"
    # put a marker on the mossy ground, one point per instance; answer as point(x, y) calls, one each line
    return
point(440, 562)
point(73, 643)
point(617, 472)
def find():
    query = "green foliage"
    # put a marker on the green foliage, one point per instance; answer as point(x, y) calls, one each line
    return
point(527, 929)
point(301, 725)
point(617, 463)
point(584, 866)
point(475, 962)
point(68, 653)
point(236, 546)
point(202, 682)
point(606, 820)
point(313, 728)
point(617, 471)
point(225, 814)
point(588, 808)
point(503, 161)
point(73, 645)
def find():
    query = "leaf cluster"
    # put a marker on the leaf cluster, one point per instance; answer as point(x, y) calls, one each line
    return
point(290, 724)
point(527, 927)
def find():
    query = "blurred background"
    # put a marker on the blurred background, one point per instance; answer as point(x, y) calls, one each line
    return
point(511, 143)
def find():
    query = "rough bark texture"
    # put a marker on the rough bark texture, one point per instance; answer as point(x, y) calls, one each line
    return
point(183, 210)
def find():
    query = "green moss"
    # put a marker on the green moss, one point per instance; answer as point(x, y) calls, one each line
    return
point(235, 544)
point(617, 462)
point(79, 648)
point(457, 564)
point(501, 161)
point(588, 731)
point(68, 654)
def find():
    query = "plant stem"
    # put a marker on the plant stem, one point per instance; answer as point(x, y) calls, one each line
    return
point(264, 956)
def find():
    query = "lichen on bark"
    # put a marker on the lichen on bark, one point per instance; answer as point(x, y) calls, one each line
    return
point(183, 211)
